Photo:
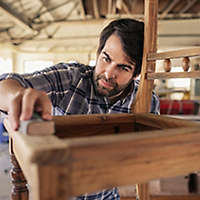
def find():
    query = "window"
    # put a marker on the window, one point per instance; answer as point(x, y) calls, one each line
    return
point(5, 65)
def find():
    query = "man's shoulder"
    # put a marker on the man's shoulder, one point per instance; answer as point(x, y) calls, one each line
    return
point(75, 66)
point(136, 85)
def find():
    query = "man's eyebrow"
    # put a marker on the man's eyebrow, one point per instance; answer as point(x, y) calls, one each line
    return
point(106, 55)
point(125, 65)
point(119, 65)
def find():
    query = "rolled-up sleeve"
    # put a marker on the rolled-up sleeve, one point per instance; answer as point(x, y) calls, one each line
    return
point(54, 80)
point(22, 80)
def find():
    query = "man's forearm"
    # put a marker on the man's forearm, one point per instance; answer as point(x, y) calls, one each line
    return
point(8, 89)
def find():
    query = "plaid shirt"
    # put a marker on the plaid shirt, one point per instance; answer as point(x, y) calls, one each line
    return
point(71, 90)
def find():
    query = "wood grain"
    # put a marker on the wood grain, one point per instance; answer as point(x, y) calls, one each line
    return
point(91, 125)
point(142, 157)
point(142, 103)
point(162, 122)
point(138, 158)
point(179, 53)
point(143, 100)
point(167, 75)
point(142, 191)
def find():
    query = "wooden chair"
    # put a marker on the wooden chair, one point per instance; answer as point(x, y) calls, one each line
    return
point(88, 153)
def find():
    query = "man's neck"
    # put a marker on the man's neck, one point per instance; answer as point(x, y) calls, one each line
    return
point(121, 95)
point(115, 98)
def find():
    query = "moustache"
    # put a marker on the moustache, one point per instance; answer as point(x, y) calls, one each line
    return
point(111, 81)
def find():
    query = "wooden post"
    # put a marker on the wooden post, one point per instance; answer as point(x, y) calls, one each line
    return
point(142, 191)
point(144, 94)
point(20, 189)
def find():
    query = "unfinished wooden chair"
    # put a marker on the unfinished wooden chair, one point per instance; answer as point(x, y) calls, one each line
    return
point(88, 153)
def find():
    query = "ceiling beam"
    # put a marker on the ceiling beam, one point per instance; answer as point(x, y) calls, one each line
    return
point(96, 9)
point(118, 4)
point(133, 5)
point(109, 7)
point(16, 17)
point(125, 7)
point(168, 9)
point(76, 4)
point(188, 6)
point(46, 6)
point(50, 9)
point(82, 9)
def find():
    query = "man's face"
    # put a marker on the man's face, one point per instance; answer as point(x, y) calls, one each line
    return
point(114, 70)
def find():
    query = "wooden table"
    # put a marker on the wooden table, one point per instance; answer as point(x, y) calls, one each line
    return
point(88, 153)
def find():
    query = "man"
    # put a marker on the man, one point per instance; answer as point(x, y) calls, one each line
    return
point(109, 87)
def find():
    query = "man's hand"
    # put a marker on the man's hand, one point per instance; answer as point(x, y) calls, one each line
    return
point(27, 100)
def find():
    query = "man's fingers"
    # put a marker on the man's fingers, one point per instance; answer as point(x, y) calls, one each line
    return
point(28, 100)
point(25, 102)
point(14, 111)
point(44, 106)
point(34, 100)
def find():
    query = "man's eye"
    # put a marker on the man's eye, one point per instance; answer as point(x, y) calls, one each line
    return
point(106, 59)
point(124, 68)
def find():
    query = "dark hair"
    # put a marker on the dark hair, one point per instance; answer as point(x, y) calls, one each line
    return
point(131, 34)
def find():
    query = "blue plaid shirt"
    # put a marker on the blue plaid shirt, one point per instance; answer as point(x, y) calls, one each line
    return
point(71, 90)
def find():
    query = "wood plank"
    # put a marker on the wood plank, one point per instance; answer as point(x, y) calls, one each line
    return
point(142, 157)
point(163, 122)
point(126, 8)
point(142, 191)
point(138, 157)
point(171, 4)
point(96, 9)
point(180, 53)
point(97, 124)
point(51, 182)
point(144, 94)
point(188, 6)
point(168, 75)
point(76, 131)
point(82, 10)
point(17, 17)
point(25, 147)
point(82, 126)
point(93, 119)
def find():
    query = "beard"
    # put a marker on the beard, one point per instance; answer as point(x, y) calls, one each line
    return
point(113, 89)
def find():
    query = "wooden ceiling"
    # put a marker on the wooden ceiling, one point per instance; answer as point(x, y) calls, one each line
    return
point(50, 21)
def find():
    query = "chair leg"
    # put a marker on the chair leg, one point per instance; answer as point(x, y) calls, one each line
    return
point(142, 191)
point(20, 189)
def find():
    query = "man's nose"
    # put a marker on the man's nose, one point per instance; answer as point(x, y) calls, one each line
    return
point(111, 72)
